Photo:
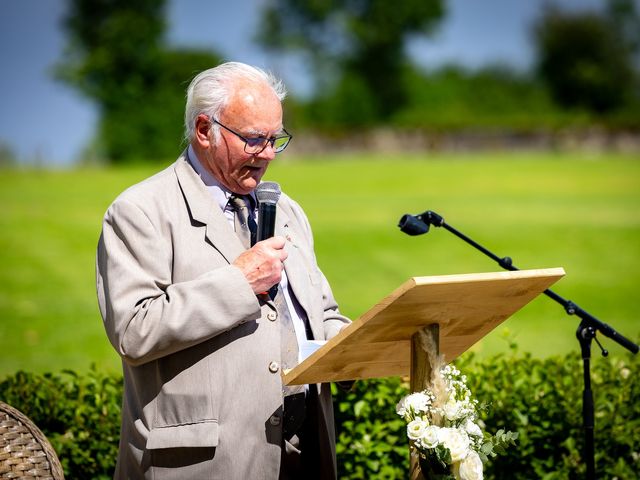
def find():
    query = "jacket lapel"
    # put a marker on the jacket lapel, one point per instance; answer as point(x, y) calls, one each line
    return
point(204, 210)
point(295, 266)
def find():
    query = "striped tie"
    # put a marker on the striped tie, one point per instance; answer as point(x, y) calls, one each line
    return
point(244, 224)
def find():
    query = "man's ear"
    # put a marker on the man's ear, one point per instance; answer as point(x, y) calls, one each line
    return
point(203, 127)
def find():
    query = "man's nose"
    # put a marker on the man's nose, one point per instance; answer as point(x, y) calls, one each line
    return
point(268, 153)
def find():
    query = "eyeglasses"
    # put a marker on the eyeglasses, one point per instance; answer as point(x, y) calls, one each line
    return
point(255, 145)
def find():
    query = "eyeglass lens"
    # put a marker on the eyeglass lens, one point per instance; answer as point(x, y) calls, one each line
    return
point(257, 144)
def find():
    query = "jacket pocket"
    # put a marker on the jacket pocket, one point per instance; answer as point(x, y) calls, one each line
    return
point(200, 434)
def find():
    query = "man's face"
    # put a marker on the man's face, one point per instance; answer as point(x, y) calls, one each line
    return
point(253, 110)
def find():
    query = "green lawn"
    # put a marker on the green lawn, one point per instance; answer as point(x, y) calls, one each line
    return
point(576, 211)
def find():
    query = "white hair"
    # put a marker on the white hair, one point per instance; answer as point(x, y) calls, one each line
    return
point(210, 90)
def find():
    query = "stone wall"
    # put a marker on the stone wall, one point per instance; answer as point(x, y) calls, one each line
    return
point(391, 141)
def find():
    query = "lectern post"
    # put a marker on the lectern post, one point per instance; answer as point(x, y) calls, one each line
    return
point(420, 378)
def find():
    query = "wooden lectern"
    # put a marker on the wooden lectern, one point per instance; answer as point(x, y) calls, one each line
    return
point(465, 308)
point(456, 310)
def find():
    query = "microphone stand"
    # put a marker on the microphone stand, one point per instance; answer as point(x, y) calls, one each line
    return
point(589, 325)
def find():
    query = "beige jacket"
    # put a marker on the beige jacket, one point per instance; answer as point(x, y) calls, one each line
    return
point(200, 398)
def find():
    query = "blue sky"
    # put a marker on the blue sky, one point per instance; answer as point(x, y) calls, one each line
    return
point(42, 119)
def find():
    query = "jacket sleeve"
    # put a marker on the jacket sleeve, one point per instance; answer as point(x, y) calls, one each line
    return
point(146, 316)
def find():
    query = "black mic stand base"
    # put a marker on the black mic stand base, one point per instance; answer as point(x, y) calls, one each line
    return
point(585, 335)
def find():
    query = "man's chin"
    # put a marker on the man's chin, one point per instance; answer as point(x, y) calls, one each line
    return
point(252, 180)
point(249, 184)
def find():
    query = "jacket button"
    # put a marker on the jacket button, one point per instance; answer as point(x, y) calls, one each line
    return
point(274, 420)
point(274, 367)
point(272, 316)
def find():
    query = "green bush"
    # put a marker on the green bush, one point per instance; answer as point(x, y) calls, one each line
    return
point(80, 415)
point(539, 398)
point(542, 400)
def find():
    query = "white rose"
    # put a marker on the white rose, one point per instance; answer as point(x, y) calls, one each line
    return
point(416, 428)
point(400, 408)
point(472, 428)
point(452, 409)
point(456, 441)
point(471, 467)
point(429, 437)
point(418, 402)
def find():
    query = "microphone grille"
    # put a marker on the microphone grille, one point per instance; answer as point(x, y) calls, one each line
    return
point(268, 192)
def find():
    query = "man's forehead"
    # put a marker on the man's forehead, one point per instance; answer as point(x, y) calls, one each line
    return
point(251, 92)
point(254, 107)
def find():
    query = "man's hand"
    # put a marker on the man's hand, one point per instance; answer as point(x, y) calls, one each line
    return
point(262, 263)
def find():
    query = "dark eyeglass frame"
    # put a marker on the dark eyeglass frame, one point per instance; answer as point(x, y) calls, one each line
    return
point(255, 142)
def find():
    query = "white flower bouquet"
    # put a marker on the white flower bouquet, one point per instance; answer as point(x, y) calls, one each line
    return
point(444, 429)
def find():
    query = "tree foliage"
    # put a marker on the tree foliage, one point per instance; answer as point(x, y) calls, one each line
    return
point(356, 47)
point(586, 58)
point(7, 155)
point(492, 98)
point(117, 57)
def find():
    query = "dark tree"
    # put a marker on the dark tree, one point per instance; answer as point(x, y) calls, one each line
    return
point(357, 48)
point(116, 56)
point(7, 155)
point(626, 20)
point(585, 59)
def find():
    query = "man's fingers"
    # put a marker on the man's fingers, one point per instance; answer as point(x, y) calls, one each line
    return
point(262, 264)
point(273, 246)
point(276, 242)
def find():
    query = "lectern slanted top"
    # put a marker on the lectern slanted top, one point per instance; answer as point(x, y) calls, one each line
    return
point(466, 308)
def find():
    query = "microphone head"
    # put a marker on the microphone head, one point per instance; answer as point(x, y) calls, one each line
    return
point(412, 225)
point(268, 192)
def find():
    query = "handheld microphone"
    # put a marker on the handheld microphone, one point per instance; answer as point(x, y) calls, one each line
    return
point(267, 194)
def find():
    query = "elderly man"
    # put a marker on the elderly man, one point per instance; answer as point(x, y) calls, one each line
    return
point(184, 304)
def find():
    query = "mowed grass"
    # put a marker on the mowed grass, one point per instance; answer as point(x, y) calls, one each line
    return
point(574, 211)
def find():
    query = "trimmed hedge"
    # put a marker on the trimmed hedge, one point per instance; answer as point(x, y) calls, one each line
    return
point(539, 398)
point(79, 414)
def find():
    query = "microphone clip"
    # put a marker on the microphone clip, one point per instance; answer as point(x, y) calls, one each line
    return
point(419, 224)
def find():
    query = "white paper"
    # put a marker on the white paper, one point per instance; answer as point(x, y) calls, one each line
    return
point(308, 347)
